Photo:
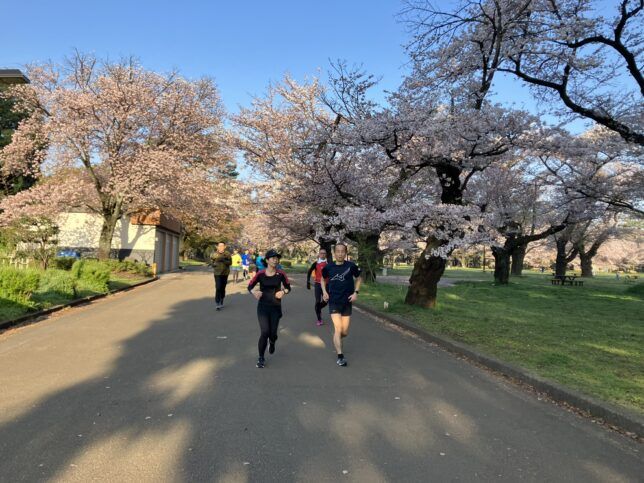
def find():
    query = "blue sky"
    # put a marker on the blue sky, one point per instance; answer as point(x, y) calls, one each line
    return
point(243, 45)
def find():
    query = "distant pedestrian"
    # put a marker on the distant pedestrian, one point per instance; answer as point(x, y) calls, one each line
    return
point(252, 266)
point(245, 264)
point(273, 285)
point(260, 263)
point(316, 270)
point(220, 261)
point(340, 291)
point(236, 266)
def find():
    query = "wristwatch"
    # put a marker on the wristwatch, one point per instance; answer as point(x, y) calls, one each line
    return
point(357, 291)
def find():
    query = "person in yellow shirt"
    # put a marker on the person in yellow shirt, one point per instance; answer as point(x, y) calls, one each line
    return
point(236, 266)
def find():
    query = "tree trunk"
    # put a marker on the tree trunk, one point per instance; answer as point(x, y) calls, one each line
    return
point(518, 255)
point(107, 232)
point(428, 270)
point(586, 261)
point(369, 255)
point(501, 265)
point(561, 263)
point(327, 244)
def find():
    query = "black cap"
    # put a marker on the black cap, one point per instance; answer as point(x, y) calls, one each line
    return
point(272, 253)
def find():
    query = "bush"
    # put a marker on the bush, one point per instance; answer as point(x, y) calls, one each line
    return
point(129, 266)
point(77, 267)
point(18, 285)
point(63, 263)
point(60, 282)
point(92, 275)
point(286, 263)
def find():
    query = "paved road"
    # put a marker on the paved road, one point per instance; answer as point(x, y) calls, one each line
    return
point(154, 385)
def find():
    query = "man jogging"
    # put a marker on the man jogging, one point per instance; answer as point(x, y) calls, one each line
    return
point(316, 269)
point(220, 262)
point(245, 264)
point(340, 292)
point(273, 285)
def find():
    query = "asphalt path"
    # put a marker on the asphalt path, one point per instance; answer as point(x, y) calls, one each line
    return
point(155, 385)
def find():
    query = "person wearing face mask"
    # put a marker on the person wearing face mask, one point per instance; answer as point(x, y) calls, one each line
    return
point(273, 285)
point(316, 269)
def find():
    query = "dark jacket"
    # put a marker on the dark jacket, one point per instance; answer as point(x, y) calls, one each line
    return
point(221, 263)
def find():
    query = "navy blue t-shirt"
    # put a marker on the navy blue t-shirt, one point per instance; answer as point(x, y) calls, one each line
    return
point(340, 284)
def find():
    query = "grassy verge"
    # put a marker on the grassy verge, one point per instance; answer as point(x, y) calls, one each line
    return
point(41, 300)
point(589, 338)
point(191, 263)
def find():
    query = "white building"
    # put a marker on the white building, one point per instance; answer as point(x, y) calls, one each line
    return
point(151, 238)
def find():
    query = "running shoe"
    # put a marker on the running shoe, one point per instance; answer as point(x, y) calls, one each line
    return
point(260, 362)
point(271, 347)
point(319, 323)
point(217, 307)
point(342, 362)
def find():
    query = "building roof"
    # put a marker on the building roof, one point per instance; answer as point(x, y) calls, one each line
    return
point(13, 76)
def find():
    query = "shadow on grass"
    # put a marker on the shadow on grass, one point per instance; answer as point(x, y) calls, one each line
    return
point(572, 335)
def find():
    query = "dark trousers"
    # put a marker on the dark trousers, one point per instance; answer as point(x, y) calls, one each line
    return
point(220, 288)
point(269, 318)
point(319, 302)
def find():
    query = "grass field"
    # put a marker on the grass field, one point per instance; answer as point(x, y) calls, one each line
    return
point(589, 338)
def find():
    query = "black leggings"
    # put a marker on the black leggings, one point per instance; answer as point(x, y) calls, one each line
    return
point(220, 288)
point(269, 319)
point(319, 302)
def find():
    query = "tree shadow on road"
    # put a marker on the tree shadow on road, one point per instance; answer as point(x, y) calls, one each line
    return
point(184, 402)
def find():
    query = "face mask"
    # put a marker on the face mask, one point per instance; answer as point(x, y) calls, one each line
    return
point(321, 260)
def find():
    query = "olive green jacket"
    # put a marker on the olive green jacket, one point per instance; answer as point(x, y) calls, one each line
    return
point(220, 263)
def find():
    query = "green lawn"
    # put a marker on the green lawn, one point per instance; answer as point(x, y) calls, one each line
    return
point(589, 338)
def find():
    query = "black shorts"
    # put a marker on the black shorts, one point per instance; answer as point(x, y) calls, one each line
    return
point(343, 309)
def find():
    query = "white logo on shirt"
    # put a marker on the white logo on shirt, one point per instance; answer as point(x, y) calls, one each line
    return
point(340, 276)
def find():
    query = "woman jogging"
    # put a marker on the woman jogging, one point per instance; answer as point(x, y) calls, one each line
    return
point(236, 266)
point(273, 285)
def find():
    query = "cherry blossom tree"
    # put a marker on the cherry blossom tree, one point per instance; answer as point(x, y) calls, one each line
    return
point(566, 50)
point(120, 139)
point(521, 209)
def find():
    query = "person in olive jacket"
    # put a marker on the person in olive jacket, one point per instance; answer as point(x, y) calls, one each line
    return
point(220, 261)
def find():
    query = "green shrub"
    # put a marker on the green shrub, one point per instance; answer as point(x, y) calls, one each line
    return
point(59, 282)
point(92, 275)
point(77, 267)
point(17, 285)
point(286, 263)
point(63, 263)
point(129, 266)
point(97, 275)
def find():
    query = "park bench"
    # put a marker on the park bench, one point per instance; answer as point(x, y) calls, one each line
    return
point(566, 279)
point(630, 278)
